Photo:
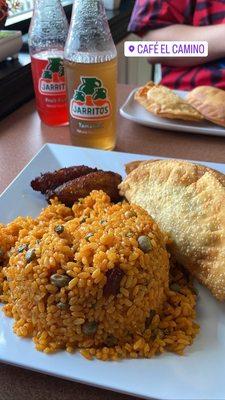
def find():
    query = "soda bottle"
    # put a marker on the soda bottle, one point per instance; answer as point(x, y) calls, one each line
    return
point(90, 60)
point(47, 36)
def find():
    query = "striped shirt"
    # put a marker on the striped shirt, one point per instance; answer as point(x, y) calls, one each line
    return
point(153, 14)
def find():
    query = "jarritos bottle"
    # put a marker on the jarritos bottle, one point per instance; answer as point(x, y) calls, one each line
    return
point(90, 61)
point(47, 36)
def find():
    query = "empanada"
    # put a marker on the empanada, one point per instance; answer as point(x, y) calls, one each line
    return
point(210, 102)
point(163, 102)
point(132, 165)
point(188, 202)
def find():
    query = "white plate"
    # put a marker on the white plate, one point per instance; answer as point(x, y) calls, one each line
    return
point(135, 112)
point(197, 375)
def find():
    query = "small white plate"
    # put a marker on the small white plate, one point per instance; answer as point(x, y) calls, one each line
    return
point(197, 375)
point(133, 111)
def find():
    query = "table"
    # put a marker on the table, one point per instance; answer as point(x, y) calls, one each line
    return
point(21, 136)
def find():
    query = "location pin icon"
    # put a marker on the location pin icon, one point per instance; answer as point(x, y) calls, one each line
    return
point(131, 48)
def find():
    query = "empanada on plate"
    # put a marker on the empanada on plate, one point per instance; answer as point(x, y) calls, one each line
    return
point(163, 102)
point(188, 202)
point(210, 102)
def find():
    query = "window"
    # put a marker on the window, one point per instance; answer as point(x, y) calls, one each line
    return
point(24, 6)
point(20, 17)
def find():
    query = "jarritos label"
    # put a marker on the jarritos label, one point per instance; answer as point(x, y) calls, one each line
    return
point(90, 100)
point(52, 80)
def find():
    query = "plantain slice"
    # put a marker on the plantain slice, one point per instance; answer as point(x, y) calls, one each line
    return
point(51, 180)
point(81, 187)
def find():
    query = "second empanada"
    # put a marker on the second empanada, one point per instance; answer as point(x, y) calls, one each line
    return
point(163, 102)
point(210, 101)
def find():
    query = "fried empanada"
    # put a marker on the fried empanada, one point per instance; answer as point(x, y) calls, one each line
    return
point(163, 102)
point(188, 202)
point(210, 102)
point(131, 166)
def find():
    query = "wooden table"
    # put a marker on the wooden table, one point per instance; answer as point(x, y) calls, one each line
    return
point(21, 136)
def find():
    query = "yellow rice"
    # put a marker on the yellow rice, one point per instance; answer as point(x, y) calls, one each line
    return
point(143, 318)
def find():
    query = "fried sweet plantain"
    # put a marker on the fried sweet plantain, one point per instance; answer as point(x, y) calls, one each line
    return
point(81, 187)
point(51, 180)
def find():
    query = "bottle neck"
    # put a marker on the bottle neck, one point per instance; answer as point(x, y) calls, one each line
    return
point(89, 39)
point(49, 26)
point(89, 3)
point(45, 9)
point(90, 15)
point(48, 3)
point(89, 8)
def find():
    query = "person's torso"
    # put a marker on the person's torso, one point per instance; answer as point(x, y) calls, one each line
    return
point(204, 13)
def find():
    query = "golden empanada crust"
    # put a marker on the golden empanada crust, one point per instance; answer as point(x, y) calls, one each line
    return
point(163, 102)
point(210, 102)
point(129, 167)
point(187, 201)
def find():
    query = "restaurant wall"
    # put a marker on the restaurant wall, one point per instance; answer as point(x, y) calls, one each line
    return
point(136, 71)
